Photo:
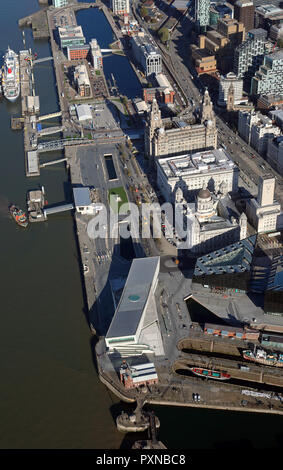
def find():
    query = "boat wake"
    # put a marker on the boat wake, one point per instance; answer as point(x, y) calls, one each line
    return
point(4, 207)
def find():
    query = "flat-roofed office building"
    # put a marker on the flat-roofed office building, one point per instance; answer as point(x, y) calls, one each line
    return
point(59, 3)
point(191, 172)
point(78, 52)
point(71, 36)
point(96, 55)
point(147, 54)
point(120, 7)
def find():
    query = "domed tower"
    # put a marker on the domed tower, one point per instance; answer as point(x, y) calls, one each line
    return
point(205, 206)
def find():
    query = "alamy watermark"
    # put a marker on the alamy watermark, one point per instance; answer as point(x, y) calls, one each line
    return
point(146, 220)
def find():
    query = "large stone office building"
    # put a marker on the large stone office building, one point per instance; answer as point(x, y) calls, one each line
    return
point(165, 138)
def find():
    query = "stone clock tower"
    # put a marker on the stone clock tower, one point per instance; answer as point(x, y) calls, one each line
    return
point(153, 122)
point(266, 191)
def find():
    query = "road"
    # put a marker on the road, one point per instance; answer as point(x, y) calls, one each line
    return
point(250, 168)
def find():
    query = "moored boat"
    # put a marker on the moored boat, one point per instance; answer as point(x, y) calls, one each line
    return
point(11, 76)
point(19, 216)
point(210, 373)
point(261, 356)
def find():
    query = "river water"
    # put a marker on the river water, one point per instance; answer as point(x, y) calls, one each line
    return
point(50, 396)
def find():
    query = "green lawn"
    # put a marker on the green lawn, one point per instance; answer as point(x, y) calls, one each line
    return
point(121, 193)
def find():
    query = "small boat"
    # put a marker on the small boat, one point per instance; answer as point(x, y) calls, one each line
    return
point(19, 216)
point(210, 373)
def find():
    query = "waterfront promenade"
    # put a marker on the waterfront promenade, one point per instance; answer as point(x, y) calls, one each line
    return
point(171, 390)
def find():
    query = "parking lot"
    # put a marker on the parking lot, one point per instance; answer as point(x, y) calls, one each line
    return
point(105, 116)
point(64, 19)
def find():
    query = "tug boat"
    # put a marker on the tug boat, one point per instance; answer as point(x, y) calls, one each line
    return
point(210, 374)
point(261, 356)
point(19, 216)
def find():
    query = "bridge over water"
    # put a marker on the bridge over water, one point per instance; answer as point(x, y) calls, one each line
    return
point(57, 209)
point(50, 131)
point(49, 116)
point(60, 144)
point(43, 59)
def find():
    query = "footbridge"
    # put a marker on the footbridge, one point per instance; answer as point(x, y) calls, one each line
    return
point(43, 59)
point(57, 209)
point(61, 144)
point(50, 131)
point(111, 50)
point(53, 162)
point(49, 116)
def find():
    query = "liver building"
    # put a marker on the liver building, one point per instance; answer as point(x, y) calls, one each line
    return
point(166, 137)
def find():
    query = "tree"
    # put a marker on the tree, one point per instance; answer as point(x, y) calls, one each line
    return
point(124, 100)
point(143, 11)
point(164, 35)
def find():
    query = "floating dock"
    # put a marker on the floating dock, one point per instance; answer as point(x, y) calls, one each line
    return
point(32, 163)
point(17, 123)
point(35, 203)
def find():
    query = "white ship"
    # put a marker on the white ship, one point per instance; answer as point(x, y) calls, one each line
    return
point(11, 76)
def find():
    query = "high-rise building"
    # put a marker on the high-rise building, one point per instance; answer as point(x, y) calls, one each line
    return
point(268, 15)
point(71, 36)
point(120, 7)
point(268, 79)
point(204, 61)
point(276, 32)
point(275, 153)
point(172, 137)
point(249, 55)
point(256, 128)
point(220, 42)
point(264, 210)
point(96, 55)
point(147, 54)
point(219, 10)
point(59, 3)
point(269, 101)
point(244, 12)
point(82, 80)
point(224, 86)
point(202, 8)
point(78, 52)
point(232, 29)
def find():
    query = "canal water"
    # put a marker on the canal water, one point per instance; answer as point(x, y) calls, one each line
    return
point(50, 396)
point(95, 25)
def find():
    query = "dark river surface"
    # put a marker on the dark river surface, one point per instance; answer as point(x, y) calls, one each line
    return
point(50, 396)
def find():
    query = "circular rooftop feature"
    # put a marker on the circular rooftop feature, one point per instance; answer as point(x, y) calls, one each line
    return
point(204, 193)
point(134, 297)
